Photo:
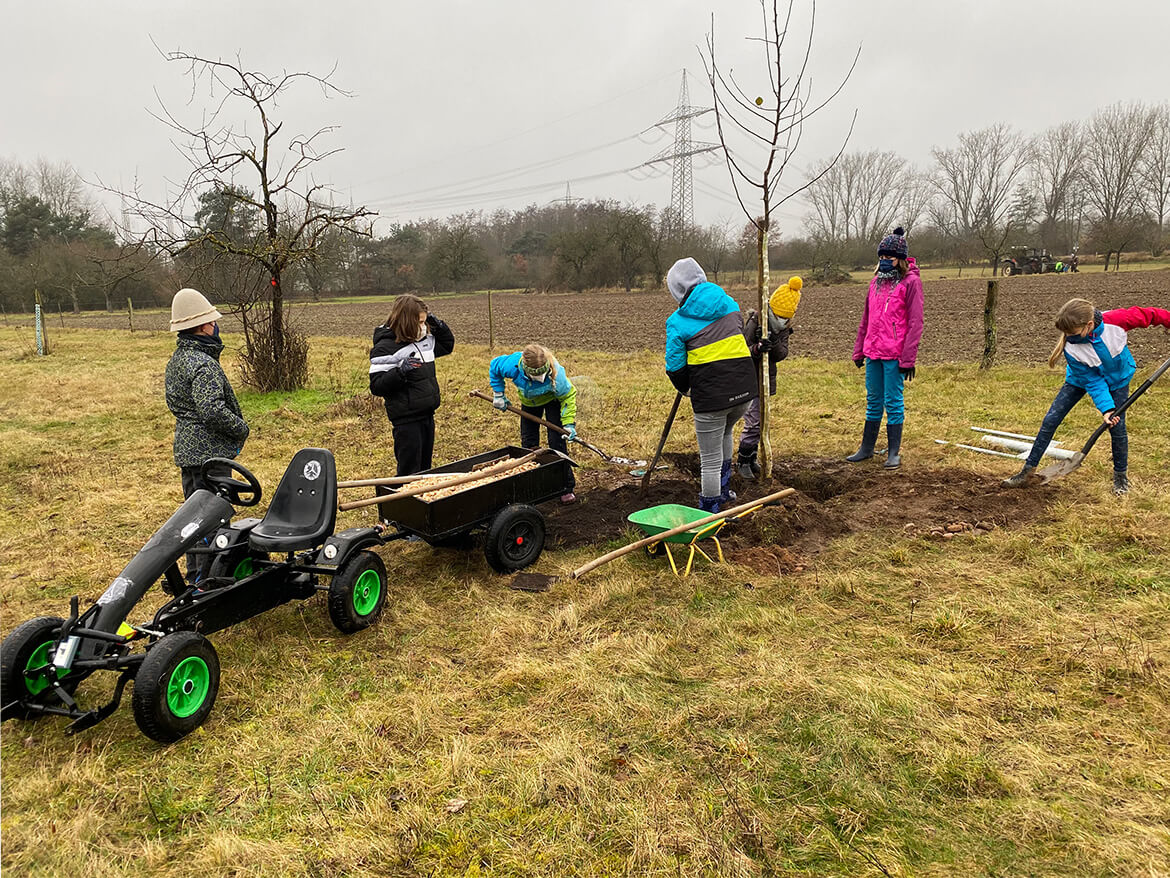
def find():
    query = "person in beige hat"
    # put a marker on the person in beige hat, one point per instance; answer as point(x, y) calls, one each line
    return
point(208, 420)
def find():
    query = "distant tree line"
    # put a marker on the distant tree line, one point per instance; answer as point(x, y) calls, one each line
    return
point(53, 240)
point(1102, 185)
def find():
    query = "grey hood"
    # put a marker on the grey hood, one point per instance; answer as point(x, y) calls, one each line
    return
point(684, 276)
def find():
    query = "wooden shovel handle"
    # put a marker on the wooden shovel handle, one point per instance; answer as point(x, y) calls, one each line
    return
point(542, 421)
point(661, 444)
point(446, 483)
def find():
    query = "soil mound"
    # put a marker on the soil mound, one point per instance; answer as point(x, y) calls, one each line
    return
point(834, 498)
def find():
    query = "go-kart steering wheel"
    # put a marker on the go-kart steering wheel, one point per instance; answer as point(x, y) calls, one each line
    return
point(230, 488)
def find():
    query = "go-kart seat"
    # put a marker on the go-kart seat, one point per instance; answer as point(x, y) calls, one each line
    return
point(303, 510)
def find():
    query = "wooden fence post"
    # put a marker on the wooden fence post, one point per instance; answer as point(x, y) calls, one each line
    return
point(491, 324)
point(130, 311)
point(989, 304)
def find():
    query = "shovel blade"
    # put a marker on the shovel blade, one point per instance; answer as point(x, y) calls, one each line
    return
point(1061, 468)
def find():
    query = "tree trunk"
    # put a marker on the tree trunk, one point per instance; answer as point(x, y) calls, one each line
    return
point(278, 364)
point(765, 453)
point(989, 340)
point(76, 301)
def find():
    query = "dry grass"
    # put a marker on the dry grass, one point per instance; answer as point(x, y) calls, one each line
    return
point(995, 705)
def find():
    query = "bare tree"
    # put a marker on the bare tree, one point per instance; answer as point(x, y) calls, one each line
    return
point(1156, 172)
point(976, 181)
point(1115, 143)
point(859, 199)
point(769, 129)
point(268, 172)
point(1057, 167)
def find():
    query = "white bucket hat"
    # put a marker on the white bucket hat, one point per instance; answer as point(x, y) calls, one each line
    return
point(190, 308)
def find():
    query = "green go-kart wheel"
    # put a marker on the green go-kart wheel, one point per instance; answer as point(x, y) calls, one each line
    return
point(175, 687)
point(357, 592)
point(25, 663)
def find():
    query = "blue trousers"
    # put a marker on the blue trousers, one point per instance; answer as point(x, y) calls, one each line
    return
point(1066, 398)
point(883, 390)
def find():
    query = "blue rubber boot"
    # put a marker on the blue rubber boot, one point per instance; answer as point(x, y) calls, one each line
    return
point(868, 440)
point(709, 504)
point(726, 495)
point(894, 452)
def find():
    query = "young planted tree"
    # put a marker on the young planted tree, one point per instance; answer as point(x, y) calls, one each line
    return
point(266, 172)
point(760, 134)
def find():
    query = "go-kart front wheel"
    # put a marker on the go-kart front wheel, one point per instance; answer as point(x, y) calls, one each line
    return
point(28, 648)
point(357, 592)
point(175, 687)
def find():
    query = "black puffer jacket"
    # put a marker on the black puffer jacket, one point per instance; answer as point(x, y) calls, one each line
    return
point(411, 393)
point(775, 345)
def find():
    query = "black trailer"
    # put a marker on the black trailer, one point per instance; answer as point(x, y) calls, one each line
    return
point(504, 508)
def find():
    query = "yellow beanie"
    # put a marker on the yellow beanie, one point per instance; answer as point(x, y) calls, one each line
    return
point(787, 296)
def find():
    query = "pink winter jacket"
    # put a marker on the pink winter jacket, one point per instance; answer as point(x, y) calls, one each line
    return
point(891, 324)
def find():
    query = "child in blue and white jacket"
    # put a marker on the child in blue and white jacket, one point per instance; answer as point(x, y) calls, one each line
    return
point(545, 391)
point(1098, 362)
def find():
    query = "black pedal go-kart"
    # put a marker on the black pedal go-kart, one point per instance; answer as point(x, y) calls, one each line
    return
point(247, 567)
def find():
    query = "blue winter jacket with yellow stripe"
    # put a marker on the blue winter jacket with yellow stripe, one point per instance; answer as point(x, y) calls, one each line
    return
point(706, 353)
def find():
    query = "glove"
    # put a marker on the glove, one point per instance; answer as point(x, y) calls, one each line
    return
point(408, 365)
point(859, 363)
point(907, 373)
point(500, 401)
point(571, 432)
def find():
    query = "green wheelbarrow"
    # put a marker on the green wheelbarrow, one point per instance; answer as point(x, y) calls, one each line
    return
point(668, 516)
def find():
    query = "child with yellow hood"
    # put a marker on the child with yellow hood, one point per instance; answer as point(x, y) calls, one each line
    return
point(781, 309)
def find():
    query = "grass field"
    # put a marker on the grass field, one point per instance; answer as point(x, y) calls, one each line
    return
point(892, 704)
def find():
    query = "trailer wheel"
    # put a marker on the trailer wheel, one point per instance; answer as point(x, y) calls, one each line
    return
point(175, 686)
point(357, 592)
point(27, 647)
point(515, 538)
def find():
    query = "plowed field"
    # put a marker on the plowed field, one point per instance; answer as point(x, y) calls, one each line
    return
point(826, 322)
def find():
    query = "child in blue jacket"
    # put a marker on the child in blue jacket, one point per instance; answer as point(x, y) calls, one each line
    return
point(1099, 363)
point(545, 391)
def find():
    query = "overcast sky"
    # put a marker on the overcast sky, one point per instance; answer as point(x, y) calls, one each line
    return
point(446, 92)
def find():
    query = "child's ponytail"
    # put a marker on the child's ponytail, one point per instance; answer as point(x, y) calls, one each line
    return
point(1073, 314)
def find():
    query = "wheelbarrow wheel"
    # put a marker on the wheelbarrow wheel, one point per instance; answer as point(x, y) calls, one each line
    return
point(654, 550)
point(515, 538)
point(29, 646)
point(357, 593)
point(175, 687)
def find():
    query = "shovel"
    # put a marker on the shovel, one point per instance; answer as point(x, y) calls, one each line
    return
point(624, 461)
point(1064, 467)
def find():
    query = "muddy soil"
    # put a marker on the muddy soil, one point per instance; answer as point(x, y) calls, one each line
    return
point(826, 322)
point(834, 498)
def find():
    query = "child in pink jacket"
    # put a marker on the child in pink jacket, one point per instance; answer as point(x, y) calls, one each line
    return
point(887, 344)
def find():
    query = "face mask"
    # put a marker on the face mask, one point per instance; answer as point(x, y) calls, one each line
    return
point(215, 330)
point(885, 266)
point(536, 376)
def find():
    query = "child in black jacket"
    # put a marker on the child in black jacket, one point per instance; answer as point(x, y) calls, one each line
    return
point(402, 371)
point(781, 309)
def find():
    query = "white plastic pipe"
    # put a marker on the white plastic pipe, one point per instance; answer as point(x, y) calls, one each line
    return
point(1017, 445)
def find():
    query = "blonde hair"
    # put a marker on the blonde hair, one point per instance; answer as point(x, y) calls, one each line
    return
point(1073, 315)
point(536, 357)
point(403, 320)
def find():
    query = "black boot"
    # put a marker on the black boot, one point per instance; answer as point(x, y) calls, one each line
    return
point(1120, 482)
point(747, 467)
point(868, 440)
point(1019, 479)
point(893, 453)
